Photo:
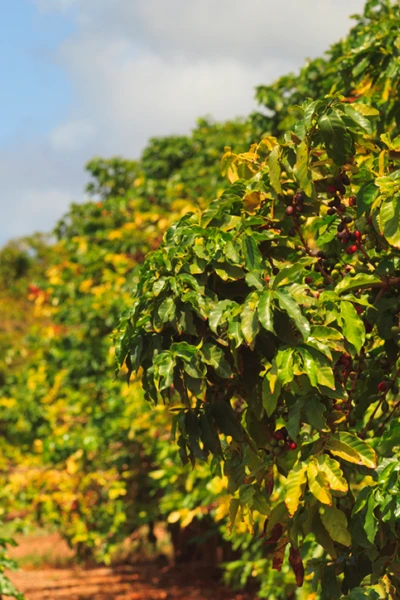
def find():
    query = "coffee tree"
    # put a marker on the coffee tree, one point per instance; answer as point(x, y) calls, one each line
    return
point(78, 450)
point(271, 318)
point(364, 64)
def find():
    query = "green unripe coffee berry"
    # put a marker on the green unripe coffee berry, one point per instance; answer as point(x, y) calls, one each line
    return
point(385, 406)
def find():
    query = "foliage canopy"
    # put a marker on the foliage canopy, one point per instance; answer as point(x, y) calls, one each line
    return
point(272, 318)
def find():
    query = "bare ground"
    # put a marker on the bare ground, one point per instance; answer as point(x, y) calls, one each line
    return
point(138, 582)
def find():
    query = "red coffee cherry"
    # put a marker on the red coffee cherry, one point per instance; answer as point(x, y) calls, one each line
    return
point(352, 201)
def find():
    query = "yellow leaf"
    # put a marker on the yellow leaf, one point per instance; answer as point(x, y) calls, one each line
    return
point(295, 485)
point(253, 200)
point(364, 86)
point(229, 165)
point(269, 142)
point(387, 90)
point(318, 483)
point(382, 163)
point(332, 470)
point(351, 448)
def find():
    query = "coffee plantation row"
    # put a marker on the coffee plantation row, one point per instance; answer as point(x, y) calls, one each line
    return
point(261, 341)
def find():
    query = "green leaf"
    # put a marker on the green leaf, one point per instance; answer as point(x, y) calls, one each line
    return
point(7, 588)
point(371, 522)
point(195, 368)
point(265, 312)
point(254, 280)
point(260, 503)
point(217, 312)
point(363, 593)
point(249, 319)
point(252, 253)
point(318, 483)
point(275, 169)
point(359, 281)
point(390, 220)
point(166, 310)
point(293, 424)
point(333, 133)
point(234, 505)
point(209, 434)
point(215, 357)
point(284, 363)
point(349, 447)
point(269, 396)
point(366, 196)
point(359, 119)
point(184, 350)
point(159, 285)
point(317, 367)
point(295, 484)
point(323, 538)
point(288, 304)
point(226, 419)
point(353, 327)
point(332, 470)
point(302, 171)
point(310, 368)
point(322, 332)
point(335, 522)
point(286, 275)
point(361, 500)
point(193, 431)
point(235, 332)
point(228, 272)
point(231, 252)
point(246, 494)
point(164, 371)
point(315, 413)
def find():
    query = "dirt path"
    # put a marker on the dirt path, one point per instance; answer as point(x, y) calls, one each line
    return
point(39, 579)
point(123, 583)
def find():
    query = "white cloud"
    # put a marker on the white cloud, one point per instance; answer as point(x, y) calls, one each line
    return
point(247, 31)
point(129, 96)
point(32, 210)
point(151, 68)
point(141, 68)
point(37, 185)
point(70, 135)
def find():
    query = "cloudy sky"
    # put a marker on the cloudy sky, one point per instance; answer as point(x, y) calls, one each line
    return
point(99, 77)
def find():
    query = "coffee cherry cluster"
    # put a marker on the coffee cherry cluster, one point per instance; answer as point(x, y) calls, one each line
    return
point(297, 204)
point(344, 367)
point(351, 239)
point(280, 442)
point(338, 185)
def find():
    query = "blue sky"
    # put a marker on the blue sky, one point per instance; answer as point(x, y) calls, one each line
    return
point(37, 92)
point(99, 77)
